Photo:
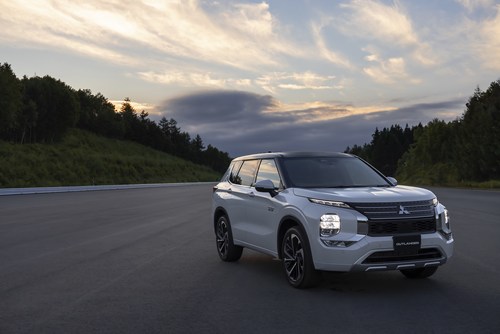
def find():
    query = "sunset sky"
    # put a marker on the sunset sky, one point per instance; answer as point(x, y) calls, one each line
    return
point(251, 76)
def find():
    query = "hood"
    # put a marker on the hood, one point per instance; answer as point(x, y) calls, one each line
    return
point(367, 194)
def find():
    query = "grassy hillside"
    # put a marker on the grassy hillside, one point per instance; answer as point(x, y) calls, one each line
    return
point(83, 158)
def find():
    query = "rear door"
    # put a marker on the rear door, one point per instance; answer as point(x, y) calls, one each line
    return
point(263, 210)
point(241, 194)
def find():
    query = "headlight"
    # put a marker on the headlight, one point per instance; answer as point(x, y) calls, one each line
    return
point(446, 219)
point(444, 224)
point(329, 203)
point(329, 225)
point(435, 201)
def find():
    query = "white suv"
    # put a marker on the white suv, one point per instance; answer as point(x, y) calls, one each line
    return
point(328, 212)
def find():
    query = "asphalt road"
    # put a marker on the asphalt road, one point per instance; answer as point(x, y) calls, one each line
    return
point(144, 261)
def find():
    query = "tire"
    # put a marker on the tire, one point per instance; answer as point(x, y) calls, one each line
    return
point(419, 272)
point(224, 241)
point(297, 259)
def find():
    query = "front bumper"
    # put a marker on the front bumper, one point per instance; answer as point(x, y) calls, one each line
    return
point(377, 253)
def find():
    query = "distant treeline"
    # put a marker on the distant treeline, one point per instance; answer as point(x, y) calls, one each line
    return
point(42, 109)
point(446, 153)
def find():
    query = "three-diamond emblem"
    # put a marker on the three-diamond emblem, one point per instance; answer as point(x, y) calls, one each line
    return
point(403, 211)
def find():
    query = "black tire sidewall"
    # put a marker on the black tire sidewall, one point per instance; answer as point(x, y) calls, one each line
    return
point(309, 275)
point(233, 252)
point(219, 221)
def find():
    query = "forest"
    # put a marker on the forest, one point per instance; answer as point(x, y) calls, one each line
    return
point(462, 152)
point(465, 151)
point(43, 109)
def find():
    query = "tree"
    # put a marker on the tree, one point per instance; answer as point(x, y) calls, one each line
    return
point(10, 101)
point(480, 135)
point(39, 109)
point(56, 106)
point(386, 148)
point(98, 115)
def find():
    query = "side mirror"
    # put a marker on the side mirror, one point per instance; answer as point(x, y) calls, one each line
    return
point(266, 186)
point(392, 180)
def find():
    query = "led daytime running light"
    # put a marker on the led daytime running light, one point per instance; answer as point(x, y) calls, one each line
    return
point(329, 203)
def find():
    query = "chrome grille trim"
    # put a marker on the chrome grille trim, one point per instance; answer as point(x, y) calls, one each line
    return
point(391, 210)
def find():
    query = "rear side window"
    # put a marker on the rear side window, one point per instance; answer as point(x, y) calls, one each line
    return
point(268, 171)
point(247, 172)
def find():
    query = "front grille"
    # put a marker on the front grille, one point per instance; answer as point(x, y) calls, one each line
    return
point(395, 210)
point(396, 227)
point(392, 256)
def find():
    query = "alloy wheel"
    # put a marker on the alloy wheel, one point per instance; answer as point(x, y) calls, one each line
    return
point(222, 237)
point(293, 257)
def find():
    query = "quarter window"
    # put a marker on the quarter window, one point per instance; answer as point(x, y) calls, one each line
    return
point(233, 176)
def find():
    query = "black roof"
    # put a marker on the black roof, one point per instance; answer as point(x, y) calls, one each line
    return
point(271, 155)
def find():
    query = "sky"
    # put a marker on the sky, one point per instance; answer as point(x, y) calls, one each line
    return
point(253, 76)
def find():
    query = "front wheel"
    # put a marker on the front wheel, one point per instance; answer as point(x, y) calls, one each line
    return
point(224, 241)
point(419, 272)
point(297, 260)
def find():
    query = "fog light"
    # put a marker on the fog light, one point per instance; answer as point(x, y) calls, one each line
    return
point(447, 236)
point(337, 243)
point(329, 225)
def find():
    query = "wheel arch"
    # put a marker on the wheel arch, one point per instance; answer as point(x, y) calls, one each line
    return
point(285, 224)
point(219, 212)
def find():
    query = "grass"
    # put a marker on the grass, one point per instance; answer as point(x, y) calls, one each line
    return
point(83, 158)
point(491, 184)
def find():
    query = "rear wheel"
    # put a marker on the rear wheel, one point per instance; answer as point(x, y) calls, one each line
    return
point(297, 260)
point(224, 241)
point(419, 272)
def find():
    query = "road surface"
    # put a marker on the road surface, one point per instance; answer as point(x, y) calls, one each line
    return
point(144, 261)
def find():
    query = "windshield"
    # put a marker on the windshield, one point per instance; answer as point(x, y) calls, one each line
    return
point(331, 172)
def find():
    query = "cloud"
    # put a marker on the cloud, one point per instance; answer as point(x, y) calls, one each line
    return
point(471, 5)
point(314, 112)
point(308, 80)
point(473, 43)
point(190, 79)
point(54, 25)
point(211, 109)
point(489, 41)
point(387, 24)
point(328, 54)
point(254, 19)
point(168, 30)
point(242, 123)
point(271, 82)
point(390, 71)
point(376, 20)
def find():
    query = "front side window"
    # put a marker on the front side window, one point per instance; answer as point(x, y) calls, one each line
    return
point(331, 172)
point(268, 171)
point(247, 172)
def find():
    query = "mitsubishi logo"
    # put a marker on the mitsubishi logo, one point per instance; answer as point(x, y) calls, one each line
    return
point(403, 211)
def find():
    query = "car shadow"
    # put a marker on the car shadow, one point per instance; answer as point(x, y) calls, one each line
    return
point(374, 283)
